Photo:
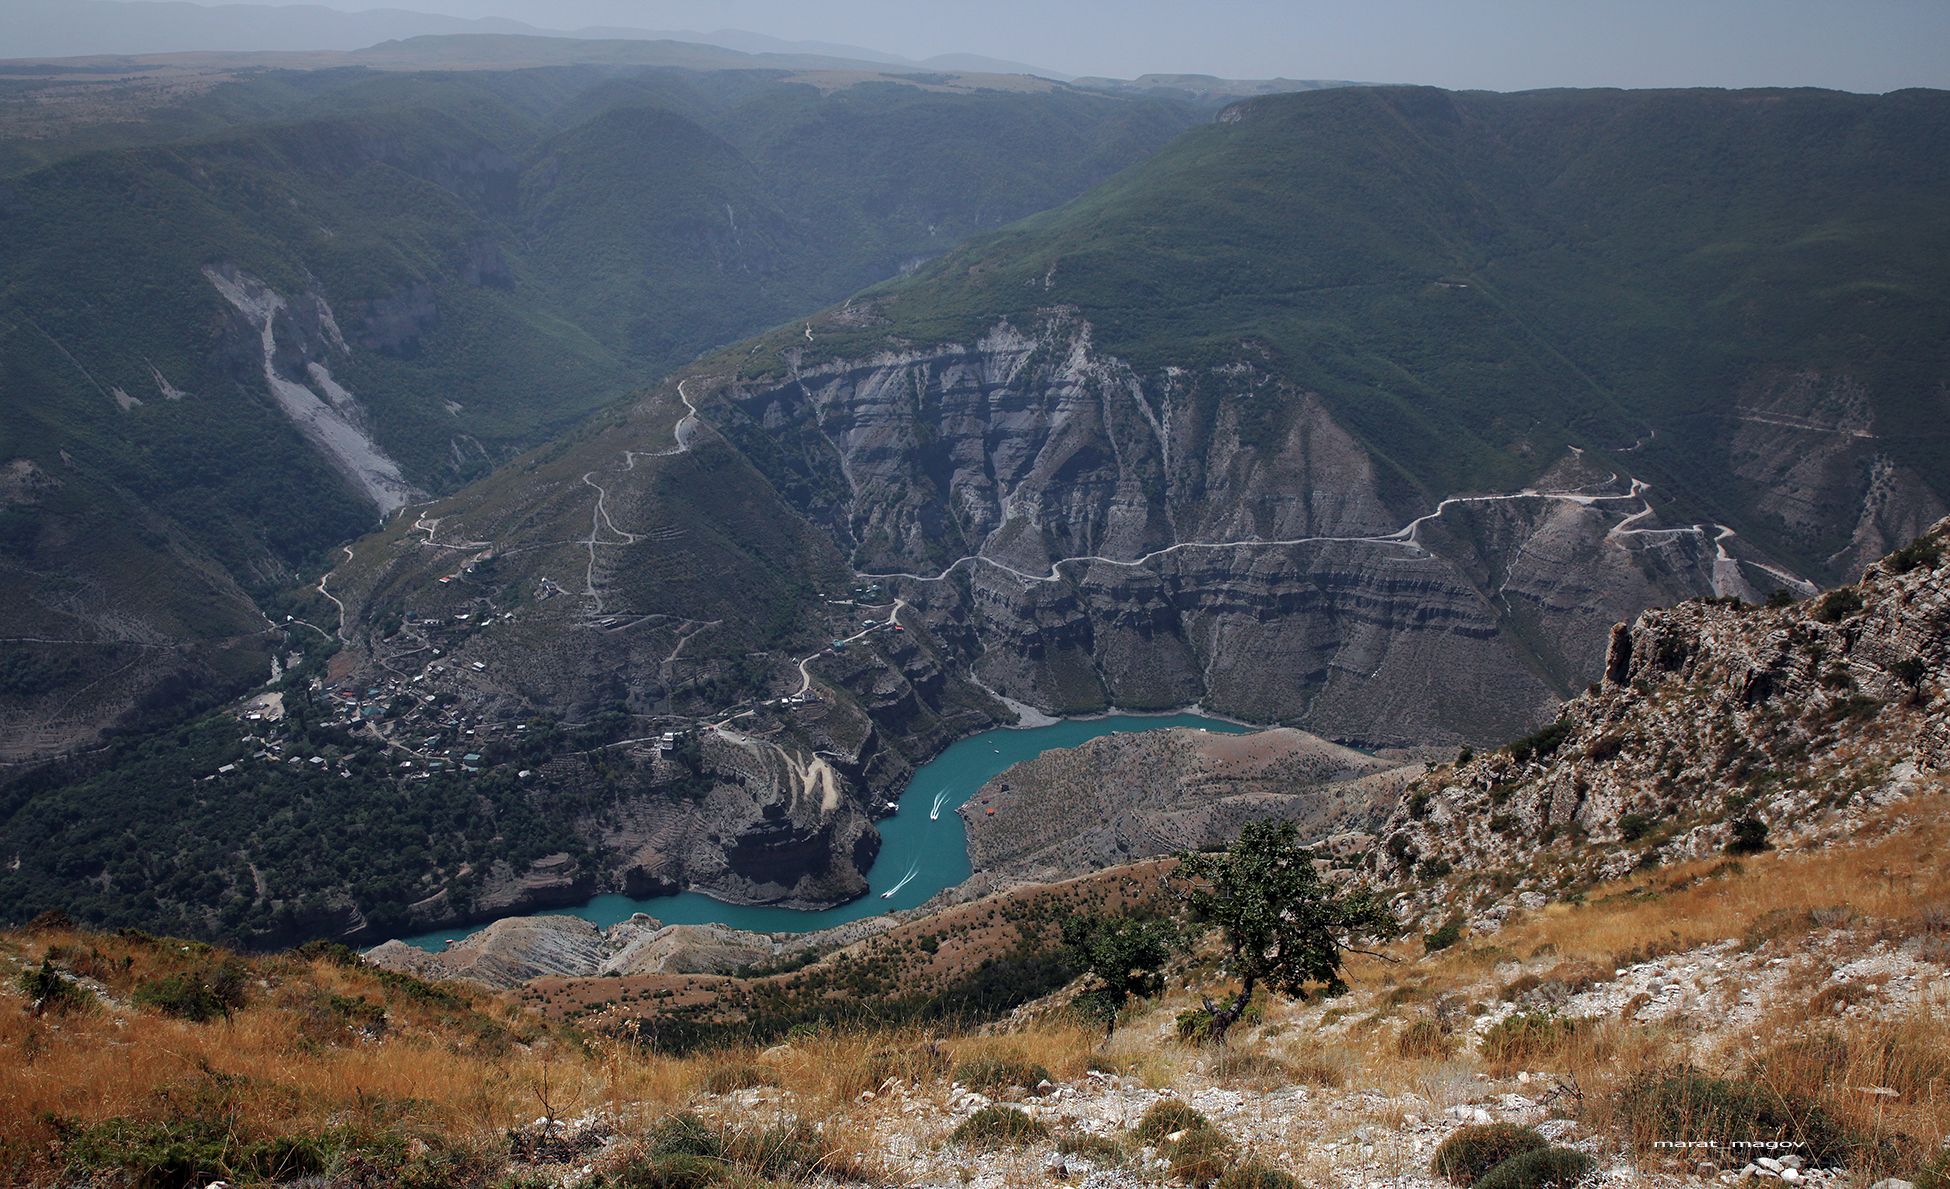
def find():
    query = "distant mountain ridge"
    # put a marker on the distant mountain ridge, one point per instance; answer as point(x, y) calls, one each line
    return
point(87, 28)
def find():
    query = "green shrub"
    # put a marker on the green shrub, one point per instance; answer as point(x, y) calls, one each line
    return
point(1918, 554)
point(1604, 747)
point(683, 1151)
point(1194, 1024)
point(1540, 743)
point(1687, 1106)
point(1098, 1148)
point(1837, 605)
point(1543, 1168)
point(199, 995)
point(202, 1148)
point(996, 1075)
point(1634, 826)
point(1254, 1175)
point(1167, 1118)
point(670, 1172)
point(49, 992)
point(998, 1127)
point(420, 990)
point(288, 1157)
point(1201, 1157)
point(1749, 837)
point(1472, 1151)
point(178, 1152)
point(1526, 1036)
point(1424, 1038)
point(684, 1135)
point(1448, 934)
point(356, 1011)
point(337, 953)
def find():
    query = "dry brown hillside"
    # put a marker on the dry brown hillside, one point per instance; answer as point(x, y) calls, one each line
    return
point(1795, 998)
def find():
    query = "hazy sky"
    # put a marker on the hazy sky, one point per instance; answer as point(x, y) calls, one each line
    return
point(1863, 45)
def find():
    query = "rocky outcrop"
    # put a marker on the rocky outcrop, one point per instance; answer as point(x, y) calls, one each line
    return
point(1126, 797)
point(549, 882)
point(1712, 715)
point(506, 953)
point(514, 951)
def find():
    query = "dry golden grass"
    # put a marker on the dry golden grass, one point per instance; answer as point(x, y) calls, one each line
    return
point(1897, 880)
point(1890, 887)
point(304, 1052)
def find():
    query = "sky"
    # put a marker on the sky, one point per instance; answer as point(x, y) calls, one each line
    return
point(1860, 45)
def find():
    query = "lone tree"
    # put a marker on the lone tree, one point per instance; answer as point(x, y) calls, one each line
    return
point(1283, 926)
point(1125, 958)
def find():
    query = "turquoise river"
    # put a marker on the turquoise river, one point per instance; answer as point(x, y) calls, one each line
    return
point(923, 847)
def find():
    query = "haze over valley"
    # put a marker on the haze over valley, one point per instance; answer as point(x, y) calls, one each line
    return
point(746, 540)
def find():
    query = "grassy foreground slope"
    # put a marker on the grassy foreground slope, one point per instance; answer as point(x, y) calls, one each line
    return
point(1802, 1016)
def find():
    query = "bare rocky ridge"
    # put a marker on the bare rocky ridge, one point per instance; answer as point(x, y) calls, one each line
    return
point(510, 952)
point(1799, 718)
point(1127, 797)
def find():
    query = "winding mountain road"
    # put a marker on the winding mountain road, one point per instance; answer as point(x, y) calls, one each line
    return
point(1406, 536)
point(327, 577)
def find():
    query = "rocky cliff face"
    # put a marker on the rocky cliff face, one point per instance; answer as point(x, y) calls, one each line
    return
point(1714, 721)
point(1809, 438)
point(1085, 536)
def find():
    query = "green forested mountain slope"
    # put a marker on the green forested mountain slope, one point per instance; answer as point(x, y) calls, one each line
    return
point(1472, 281)
point(474, 259)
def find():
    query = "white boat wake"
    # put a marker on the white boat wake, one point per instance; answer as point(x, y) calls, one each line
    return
point(940, 801)
point(912, 871)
